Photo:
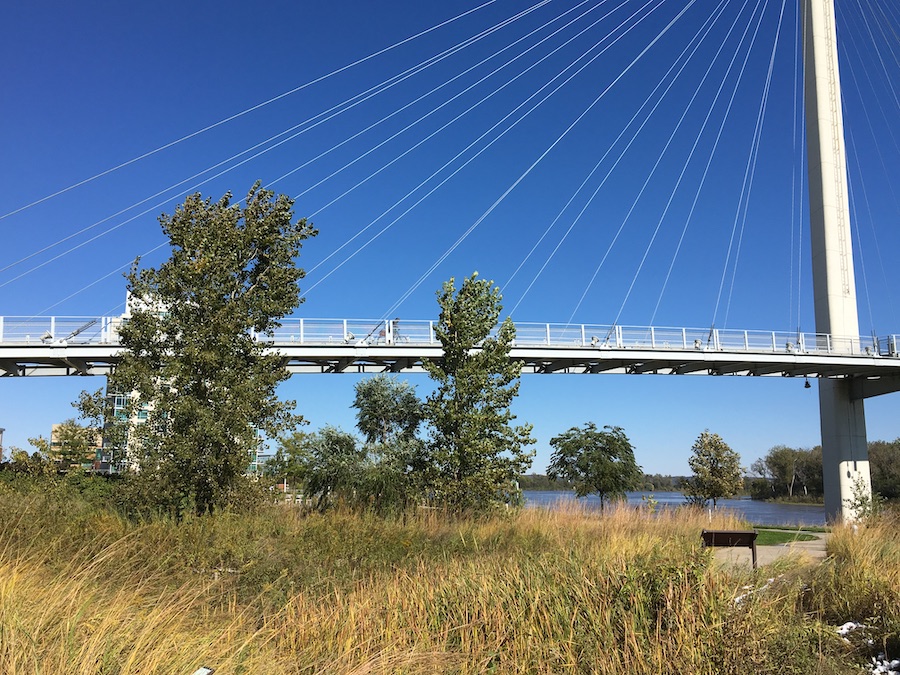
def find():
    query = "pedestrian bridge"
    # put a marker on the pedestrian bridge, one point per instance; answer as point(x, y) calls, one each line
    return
point(89, 346)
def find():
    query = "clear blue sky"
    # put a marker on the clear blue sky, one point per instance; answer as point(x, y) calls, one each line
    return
point(89, 87)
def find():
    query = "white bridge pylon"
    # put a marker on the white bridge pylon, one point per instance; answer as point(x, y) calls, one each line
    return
point(59, 346)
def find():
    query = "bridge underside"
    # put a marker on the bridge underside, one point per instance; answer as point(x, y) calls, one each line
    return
point(870, 375)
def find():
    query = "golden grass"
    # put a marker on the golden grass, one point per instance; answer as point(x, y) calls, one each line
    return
point(83, 591)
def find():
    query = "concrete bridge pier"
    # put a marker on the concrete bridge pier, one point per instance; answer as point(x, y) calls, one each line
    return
point(845, 452)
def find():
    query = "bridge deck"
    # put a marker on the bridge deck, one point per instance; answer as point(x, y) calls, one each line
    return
point(55, 346)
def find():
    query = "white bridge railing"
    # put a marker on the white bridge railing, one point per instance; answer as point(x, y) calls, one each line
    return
point(59, 331)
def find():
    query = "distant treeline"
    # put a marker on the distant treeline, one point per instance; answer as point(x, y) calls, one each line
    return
point(651, 483)
point(795, 474)
point(784, 473)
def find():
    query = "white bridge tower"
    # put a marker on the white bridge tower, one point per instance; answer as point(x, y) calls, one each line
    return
point(845, 456)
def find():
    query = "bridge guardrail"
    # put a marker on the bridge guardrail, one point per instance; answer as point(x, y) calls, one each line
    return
point(58, 329)
point(399, 332)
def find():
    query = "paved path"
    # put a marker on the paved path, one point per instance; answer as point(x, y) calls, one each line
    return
point(765, 555)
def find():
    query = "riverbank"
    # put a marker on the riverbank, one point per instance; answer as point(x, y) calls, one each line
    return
point(85, 591)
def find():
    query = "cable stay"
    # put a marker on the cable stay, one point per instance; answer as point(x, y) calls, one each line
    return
point(748, 170)
point(755, 155)
point(534, 95)
point(439, 107)
point(268, 145)
point(548, 150)
point(682, 59)
point(715, 146)
point(251, 109)
point(677, 185)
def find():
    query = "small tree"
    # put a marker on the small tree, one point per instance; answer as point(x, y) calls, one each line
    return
point(35, 464)
point(104, 421)
point(190, 352)
point(388, 413)
point(786, 471)
point(74, 444)
point(474, 453)
point(717, 470)
point(782, 464)
point(595, 461)
point(387, 410)
point(329, 465)
point(291, 459)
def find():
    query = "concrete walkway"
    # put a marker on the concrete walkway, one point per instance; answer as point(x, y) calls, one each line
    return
point(766, 555)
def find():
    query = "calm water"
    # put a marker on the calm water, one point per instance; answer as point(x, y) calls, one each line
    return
point(761, 513)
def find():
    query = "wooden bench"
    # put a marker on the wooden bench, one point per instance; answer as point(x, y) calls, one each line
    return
point(731, 538)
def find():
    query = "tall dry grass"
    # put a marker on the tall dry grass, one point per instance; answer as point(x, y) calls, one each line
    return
point(83, 591)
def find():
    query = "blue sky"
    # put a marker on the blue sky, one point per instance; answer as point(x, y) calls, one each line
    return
point(90, 87)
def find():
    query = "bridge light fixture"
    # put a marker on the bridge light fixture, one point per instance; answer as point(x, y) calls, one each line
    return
point(806, 385)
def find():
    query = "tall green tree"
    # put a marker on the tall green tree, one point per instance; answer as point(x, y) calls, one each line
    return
point(596, 461)
point(717, 470)
point(191, 357)
point(474, 451)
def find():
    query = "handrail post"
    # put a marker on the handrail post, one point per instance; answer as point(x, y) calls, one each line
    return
point(53, 327)
point(583, 343)
point(716, 342)
point(301, 331)
point(619, 343)
point(548, 334)
point(746, 342)
point(431, 332)
point(684, 338)
point(774, 344)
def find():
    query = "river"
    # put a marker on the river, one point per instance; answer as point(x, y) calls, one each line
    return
point(756, 512)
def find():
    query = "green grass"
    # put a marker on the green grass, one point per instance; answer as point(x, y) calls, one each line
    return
point(767, 537)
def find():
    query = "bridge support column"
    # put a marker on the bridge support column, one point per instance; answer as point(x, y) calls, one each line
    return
point(845, 453)
point(845, 456)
